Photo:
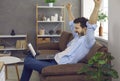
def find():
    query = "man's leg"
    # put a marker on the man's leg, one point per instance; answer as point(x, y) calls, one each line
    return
point(31, 64)
point(26, 74)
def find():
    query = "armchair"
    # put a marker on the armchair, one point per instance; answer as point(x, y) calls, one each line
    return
point(66, 72)
point(54, 47)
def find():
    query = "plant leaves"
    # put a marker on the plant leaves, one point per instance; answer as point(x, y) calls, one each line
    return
point(101, 62)
point(102, 16)
point(113, 73)
point(84, 69)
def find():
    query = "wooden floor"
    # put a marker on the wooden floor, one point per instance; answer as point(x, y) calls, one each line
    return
point(12, 76)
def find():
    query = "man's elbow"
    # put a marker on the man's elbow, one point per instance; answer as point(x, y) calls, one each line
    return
point(92, 21)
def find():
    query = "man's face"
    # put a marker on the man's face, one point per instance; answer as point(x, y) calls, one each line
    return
point(78, 28)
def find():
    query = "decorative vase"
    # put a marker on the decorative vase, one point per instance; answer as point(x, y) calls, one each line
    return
point(51, 32)
point(42, 31)
point(50, 4)
point(12, 32)
point(58, 31)
point(100, 30)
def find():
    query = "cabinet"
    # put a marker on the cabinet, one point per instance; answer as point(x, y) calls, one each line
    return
point(50, 22)
point(16, 42)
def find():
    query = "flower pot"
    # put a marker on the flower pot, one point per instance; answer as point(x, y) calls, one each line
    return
point(50, 4)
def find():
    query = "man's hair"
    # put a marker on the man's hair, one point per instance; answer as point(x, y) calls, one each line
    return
point(82, 21)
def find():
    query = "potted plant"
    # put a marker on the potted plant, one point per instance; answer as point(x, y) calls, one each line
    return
point(102, 17)
point(50, 2)
point(103, 70)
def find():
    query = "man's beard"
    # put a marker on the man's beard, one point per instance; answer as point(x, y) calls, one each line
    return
point(80, 34)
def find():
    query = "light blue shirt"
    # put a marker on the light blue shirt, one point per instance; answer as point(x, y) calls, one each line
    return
point(79, 47)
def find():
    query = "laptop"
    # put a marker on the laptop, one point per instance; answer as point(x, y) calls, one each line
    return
point(40, 56)
point(31, 49)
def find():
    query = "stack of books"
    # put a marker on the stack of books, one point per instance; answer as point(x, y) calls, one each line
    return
point(21, 44)
point(2, 46)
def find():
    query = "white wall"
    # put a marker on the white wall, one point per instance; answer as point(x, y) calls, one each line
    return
point(114, 33)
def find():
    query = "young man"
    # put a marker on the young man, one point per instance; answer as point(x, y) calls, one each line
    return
point(77, 49)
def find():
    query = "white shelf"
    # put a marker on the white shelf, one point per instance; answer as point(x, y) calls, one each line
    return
point(12, 48)
point(102, 38)
point(50, 7)
point(12, 36)
point(49, 21)
point(48, 35)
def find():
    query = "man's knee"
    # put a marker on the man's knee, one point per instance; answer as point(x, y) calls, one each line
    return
point(27, 60)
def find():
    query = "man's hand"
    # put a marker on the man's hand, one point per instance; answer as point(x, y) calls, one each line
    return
point(69, 6)
point(70, 15)
point(97, 3)
point(94, 15)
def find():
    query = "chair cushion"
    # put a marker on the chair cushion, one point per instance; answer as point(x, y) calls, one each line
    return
point(65, 69)
point(64, 39)
point(68, 78)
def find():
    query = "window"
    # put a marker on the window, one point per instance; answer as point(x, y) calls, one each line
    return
point(87, 8)
point(105, 10)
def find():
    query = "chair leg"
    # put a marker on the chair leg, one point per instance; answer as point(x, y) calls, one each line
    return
point(17, 72)
point(6, 75)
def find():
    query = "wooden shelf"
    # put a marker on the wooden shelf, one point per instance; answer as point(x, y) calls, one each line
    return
point(58, 12)
point(50, 7)
point(12, 48)
point(19, 40)
point(10, 36)
point(49, 21)
point(48, 35)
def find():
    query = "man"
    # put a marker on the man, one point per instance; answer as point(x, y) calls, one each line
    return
point(77, 49)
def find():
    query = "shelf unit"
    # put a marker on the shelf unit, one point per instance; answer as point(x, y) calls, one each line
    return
point(20, 42)
point(47, 23)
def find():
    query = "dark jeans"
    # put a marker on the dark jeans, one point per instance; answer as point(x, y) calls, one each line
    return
point(30, 64)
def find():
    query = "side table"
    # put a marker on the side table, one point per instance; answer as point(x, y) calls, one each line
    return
point(10, 60)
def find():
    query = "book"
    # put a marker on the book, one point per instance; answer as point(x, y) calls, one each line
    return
point(21, 44)
point(32, 49)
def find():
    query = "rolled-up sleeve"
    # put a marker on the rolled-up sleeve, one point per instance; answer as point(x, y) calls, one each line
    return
point(71, 24)
point(90, 38)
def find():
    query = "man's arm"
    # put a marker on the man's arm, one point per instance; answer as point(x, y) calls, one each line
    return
point(71, 18)
point(70, 14)
point(94, 15)
point(91, 25)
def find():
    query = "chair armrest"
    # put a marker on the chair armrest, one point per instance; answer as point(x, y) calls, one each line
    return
point(66, 69)
point(48, 46)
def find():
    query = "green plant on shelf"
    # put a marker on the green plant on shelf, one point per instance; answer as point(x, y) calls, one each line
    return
point(102, 17)
point(103, 70)
point(50, 1)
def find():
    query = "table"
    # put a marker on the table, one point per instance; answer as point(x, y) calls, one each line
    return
point(10, 60)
